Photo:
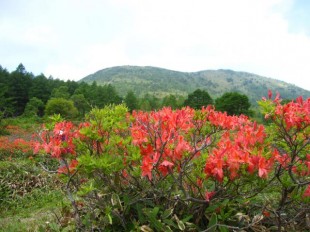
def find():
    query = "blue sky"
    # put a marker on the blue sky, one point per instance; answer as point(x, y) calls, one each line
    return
point(69, 39)
point(298, 17)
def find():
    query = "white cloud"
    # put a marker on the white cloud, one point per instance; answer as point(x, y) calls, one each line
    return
point(76, 38)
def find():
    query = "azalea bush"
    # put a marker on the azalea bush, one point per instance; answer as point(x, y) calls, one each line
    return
point(16, 148)
point(289, 140)
point(185, 169)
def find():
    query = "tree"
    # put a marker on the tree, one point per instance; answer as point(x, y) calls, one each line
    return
point(149, 102)
point(19, 84)
point(40, 88)
point(6, 103)
point(101, 96)
point(144, 105)
point(61, 106)
point(198, 99)
point(35, 107)
point(80, 103)
point(72, 86)
point(233, 103)
point(21, 69)
point(131, 101)
point(171, 101)
point(61, 92)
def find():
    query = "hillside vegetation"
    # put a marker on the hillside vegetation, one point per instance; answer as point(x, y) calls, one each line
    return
point(161, 82)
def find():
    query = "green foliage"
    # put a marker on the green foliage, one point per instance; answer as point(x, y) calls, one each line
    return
point(149, 102)
point(233, 103)
point(132, 173)
point(80, 103)
point(61, 106)
point(104, 140)
point(162, 82)
point(170, 100)
point(22, 182)
point(35, 107)
point(198, 99)
point(41, 88)
point(61, 92)
point(19, 86)
point(131, 101)
point(28, 195)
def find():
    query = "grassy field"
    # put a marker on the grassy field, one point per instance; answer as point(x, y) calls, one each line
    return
point(28, 199)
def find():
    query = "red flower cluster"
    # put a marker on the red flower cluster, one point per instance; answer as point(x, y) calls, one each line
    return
point(60, 145)
point(293, 122)
point(16, 146)
point(294, 114)
point(241, 145)
point(164, 139)
point(307, 192)
point(161, 138)
point(60, 142)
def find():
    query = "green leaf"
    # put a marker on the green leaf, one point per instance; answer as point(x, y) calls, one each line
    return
point(181, 224)
point(110, 219)
point(151, 214)
point(54, 226)
point(86, 188)
point(170, 223)
point(212, 223)
point(140, 213)
point(154, 212)
point(186, 219)
point(223, 229)
point(166, 213)
point(116, 201)
point(167, 228)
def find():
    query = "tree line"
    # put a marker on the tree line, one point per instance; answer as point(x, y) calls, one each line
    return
point(22, 93)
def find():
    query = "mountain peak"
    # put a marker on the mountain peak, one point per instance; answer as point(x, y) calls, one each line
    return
point(162, 82)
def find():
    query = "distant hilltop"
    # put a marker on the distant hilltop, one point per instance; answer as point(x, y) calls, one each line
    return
point(162, 82)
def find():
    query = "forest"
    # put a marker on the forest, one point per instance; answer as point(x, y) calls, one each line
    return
point(23, 94)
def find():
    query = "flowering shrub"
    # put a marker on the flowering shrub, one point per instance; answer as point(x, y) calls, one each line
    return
point(184, 169)
point(289, 137)
point(15, 148)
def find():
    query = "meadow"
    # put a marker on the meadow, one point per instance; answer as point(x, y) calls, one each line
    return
point(164, 170)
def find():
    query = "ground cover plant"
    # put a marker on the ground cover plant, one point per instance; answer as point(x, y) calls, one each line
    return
point(185, 170)
point(29, 197)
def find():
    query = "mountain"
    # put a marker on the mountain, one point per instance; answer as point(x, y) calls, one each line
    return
point(161, 82)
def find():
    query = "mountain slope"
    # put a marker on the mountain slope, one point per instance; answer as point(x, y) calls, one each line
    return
point(161, 82)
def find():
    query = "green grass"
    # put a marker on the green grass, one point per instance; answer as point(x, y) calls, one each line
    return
point(34, 219)
point(30, 198)
point(35, 208)
point(26, 123)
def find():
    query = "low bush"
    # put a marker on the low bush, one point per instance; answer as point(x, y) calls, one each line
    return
point(187, 170)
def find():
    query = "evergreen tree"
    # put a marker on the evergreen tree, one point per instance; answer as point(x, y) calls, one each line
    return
point(131, 101)
point(72, 86)
point(61, 92)
point(233, 103)
point(6, 104)
point(80, 103)
point(35, 107)
point(149, 102)
point(40, 88)
point(19, 84)
point(198, 99)
point(171, 101)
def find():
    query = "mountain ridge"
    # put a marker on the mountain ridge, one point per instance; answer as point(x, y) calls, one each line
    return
point(162, 82)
